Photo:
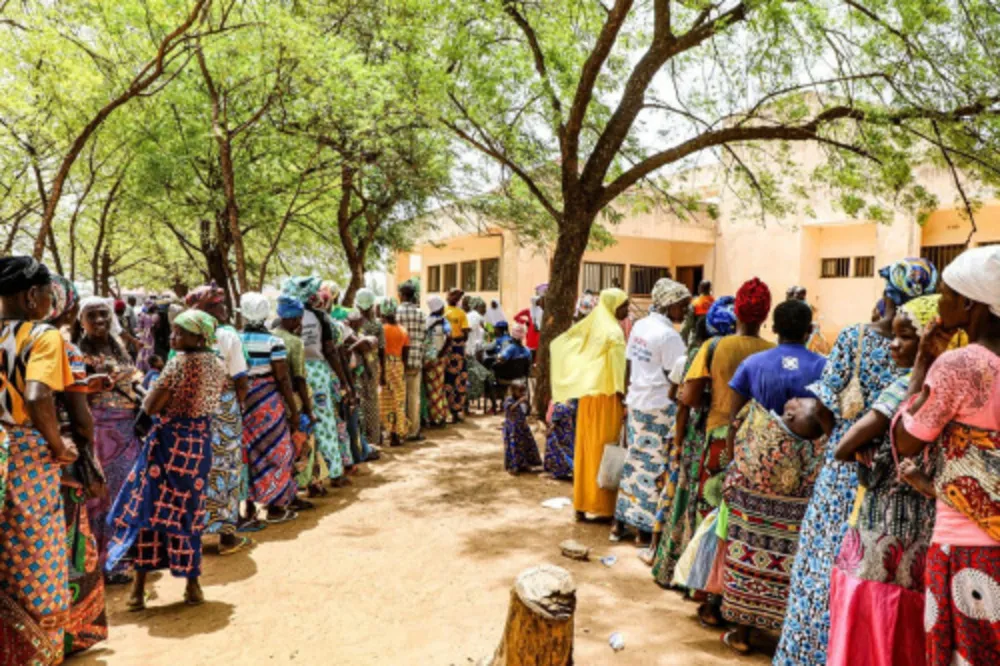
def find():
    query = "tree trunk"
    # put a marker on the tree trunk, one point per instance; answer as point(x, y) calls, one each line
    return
point(560, 300)
point(233, 211)
point(357, 280)
point(539, 629)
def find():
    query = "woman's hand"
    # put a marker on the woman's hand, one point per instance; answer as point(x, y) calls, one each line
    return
point(97, 490)
point(934, 342)
point(64, 452)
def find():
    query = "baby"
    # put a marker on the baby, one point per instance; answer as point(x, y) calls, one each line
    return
point(802, 418)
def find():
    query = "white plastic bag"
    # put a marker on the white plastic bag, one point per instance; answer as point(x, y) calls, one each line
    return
point(612, 462)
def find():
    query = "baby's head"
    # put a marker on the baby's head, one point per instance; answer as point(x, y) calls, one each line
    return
point(518, 389)
point(156, 362)
point(802, 417)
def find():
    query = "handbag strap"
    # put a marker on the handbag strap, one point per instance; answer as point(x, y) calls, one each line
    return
point(860, 351)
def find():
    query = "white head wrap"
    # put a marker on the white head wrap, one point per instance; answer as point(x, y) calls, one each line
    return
point(255, 307)
point(975, 274)
point(667, 292)
point(536, 312)
point(495, 313)
point(364, 299)
point(98, 302)
point(435, 303)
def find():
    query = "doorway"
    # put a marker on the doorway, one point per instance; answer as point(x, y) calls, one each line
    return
point(690, 276)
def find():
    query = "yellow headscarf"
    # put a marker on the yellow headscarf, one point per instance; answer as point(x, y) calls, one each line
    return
point(589, 359)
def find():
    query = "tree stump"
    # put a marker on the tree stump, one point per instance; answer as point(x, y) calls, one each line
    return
point(539, 629)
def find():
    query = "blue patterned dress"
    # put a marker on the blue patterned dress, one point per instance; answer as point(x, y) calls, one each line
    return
point(520, 449)
point(650, 435)
point(806, 631)
point(559, 443)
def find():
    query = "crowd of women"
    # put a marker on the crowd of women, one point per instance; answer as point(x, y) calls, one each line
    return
point(848, 505)
point(129, 434)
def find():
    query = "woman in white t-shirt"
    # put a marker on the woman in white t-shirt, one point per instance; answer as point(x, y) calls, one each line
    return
point(653, 350)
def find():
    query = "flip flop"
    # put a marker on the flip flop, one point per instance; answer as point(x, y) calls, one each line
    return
point(726, 639)
point(299, 504)
point(251, 526)
point(285, 517)
point(244, 542)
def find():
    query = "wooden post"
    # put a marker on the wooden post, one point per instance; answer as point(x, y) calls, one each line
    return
point(539, 630)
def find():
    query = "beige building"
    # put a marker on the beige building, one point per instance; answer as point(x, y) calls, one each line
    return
point(835, 257)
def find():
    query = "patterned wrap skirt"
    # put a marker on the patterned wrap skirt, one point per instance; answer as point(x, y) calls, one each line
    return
point(559, 443)
point(520, 449)
point(393, 398)
point(222, 498)
point(269, 444)
point(962, 606)
point(33, 572)
point(159, 515)
point(88, 622)
point(456, 378)
point(334, 448)
point(117, 448)
point(437, 400)
point(649, 435)
point(371, 407)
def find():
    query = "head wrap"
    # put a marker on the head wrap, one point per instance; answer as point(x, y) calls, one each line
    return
point(389, 307)
point(199, 323)
point(536, 312)
point(435, 303)
point(303, 287)
point(975, 274)
point(364, 299)
point(921, 311)
point(19, 274)
point(64, 297)
point(289, 307)
point(119, 306)
point(542, 289)
point(585, 305)
point(908, 278)
point(753, 302)
point(340, 313)
point(327, 296)
point(518, 331)
point(721, 317)
point(353, 316)
point(99, 303)
point(589, 358)
point(254, 307)
point(204, 296)
point(495, 314)
point(667, 292)
point(475, 302)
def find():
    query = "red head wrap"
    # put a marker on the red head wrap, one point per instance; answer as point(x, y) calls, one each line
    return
point(204, 296)
point(753, 302)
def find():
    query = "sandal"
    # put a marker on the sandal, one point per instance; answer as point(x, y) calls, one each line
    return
point(727, 639)
point(299, 504)
point(710, 622)
point(252, 525)
point(647, 556)
point(136, 605)
point(285, 517)
point(244, 542)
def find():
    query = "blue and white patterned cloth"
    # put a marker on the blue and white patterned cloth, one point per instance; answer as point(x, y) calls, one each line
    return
point(806, 631)
point(650, 433)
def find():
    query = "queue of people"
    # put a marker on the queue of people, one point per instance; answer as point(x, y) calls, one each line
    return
point(845, 505)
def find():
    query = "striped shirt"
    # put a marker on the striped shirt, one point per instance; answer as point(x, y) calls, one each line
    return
point(261, 348)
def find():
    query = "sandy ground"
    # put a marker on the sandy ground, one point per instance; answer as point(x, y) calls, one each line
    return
point(412, 565)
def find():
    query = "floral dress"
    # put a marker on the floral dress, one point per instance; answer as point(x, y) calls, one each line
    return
point(806, 629)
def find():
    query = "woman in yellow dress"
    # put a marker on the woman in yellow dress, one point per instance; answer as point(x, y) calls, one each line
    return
point(588, 364)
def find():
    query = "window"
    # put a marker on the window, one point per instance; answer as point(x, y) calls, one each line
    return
point(837, 267)
point(602, 276)
point(489, 275)
point(433, 279)
point(469, 276)
point(941, 255)
point(864, 267)
point(450, 277)
point(642, 278)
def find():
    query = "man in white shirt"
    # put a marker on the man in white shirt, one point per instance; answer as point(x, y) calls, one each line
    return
point(652, 352)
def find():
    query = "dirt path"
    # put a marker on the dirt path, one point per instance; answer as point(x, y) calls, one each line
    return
point(410, 566)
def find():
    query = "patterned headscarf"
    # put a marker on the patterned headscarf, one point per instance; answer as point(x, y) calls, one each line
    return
point(64, 297)
point(721, 317)
point(389, 306)
point(586, 305)
point(303, 287)
point(205, 296)
point(475, 302)
point(199, 323)
point(364, 299)
point(921, 311)
point(667, 292)
point(289, 307)
point(908, 278)
point(255, 307)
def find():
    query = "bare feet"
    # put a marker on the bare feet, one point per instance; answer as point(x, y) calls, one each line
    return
point(137, 596)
